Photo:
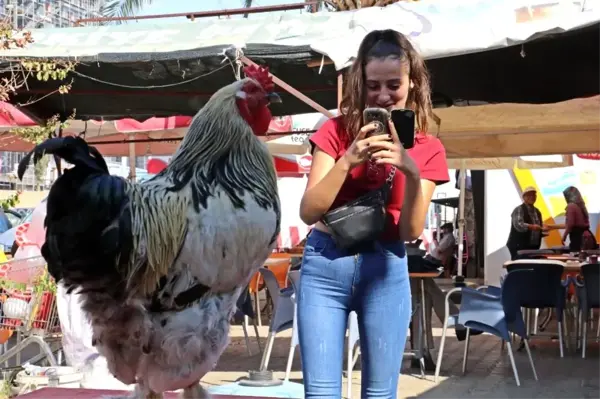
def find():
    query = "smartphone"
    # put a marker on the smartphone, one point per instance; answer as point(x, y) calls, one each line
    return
point(380, 117)
point(404, 122)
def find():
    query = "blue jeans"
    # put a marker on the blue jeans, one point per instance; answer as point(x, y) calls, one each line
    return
point(375, 285)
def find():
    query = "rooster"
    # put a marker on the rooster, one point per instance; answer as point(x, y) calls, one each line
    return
point(160, 264)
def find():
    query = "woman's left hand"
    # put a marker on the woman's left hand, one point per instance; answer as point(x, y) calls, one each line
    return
point(393, 153)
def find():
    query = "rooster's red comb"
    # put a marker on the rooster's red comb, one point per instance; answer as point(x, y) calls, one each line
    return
point(261, 75)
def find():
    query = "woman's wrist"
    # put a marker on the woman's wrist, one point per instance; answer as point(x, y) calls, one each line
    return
point(344, 164)
point(411, 172)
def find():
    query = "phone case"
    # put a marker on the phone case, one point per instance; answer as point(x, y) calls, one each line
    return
point(379, 116)
point(404, 122)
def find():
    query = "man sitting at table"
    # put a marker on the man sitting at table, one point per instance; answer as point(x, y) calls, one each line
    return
point(526, 225)
point(443, 252)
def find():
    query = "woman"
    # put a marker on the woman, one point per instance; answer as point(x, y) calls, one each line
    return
point(577, 222)
point(347, 163)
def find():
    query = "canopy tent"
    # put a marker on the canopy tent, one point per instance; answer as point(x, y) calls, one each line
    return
point(129, 70)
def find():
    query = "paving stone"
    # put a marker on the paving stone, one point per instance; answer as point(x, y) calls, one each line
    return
point(489, 374)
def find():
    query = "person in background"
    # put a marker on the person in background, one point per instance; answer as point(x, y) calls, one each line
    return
point(526, 225)
point(348, 163)
point(445, 248)
point(577, 222)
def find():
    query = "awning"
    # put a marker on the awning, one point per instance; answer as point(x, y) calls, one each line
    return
point(488, 51)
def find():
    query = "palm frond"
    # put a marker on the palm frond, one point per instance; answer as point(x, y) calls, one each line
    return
point(123, 8)
point(345, 5)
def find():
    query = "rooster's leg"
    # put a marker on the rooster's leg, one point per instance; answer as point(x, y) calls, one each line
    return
point(195, 391)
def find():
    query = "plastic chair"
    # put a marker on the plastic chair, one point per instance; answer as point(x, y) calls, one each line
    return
point(451, 320)
point(549, 291)
point(353, 336)
point(283, 312)
point(498, 315)
point(245, 309)
point(294, 277)
point(255, 286)
point(587, 296)
point(353, 340)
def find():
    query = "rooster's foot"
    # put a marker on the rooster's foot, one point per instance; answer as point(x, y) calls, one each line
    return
point(195, 391)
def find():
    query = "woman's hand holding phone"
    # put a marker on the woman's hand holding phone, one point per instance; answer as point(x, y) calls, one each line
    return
point(386, 152)
point(363, 147)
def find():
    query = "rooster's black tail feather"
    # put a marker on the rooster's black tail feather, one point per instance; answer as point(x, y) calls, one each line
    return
point(74, 150)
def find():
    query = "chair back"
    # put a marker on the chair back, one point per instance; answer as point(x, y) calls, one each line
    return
point(244, 303)
point(256, 283)
point(591, 281)
point(280, 271)
point(546, 289)
point(272, 284)
point(294, 277)
point(515, 289)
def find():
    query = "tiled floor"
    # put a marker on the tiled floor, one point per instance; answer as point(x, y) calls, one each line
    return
point(489, 373)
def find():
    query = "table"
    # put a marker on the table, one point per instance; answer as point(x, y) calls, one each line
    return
point(562, 258)
point(569, 265)
point(422, 355)
point(72, 393)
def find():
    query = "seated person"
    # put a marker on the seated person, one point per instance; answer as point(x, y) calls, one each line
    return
point(445, 249)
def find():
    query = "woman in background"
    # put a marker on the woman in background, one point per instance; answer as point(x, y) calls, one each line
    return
point(577, 222)
point(348, 163)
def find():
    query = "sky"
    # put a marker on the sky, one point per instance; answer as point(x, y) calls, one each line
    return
point(177, 6)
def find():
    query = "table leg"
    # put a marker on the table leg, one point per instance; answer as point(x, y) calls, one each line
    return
point(425, 359)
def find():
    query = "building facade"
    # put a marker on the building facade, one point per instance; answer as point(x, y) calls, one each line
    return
point(36, 14)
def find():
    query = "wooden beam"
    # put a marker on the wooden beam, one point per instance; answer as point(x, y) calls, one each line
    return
point(308, 101)
point(132, 165)
point(520, 143)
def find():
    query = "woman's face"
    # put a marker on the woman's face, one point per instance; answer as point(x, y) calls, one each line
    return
point(387, 83)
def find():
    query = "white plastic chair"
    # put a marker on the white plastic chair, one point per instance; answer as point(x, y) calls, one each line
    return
point(283, 312)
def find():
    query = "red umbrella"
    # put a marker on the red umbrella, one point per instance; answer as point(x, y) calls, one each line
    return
point(155, 166)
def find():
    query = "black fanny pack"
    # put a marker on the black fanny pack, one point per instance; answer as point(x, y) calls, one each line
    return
point(362, 220)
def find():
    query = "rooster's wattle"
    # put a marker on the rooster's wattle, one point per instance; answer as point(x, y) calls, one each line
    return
point(161, 264)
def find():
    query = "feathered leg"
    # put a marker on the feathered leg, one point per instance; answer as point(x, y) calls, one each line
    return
point(195, 391)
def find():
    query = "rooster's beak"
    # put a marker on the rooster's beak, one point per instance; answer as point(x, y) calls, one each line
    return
point(273, 98)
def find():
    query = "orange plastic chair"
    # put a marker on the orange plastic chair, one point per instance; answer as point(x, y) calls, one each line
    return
point(280, 270)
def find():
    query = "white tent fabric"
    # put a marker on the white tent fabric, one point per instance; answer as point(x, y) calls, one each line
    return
point(438, 28)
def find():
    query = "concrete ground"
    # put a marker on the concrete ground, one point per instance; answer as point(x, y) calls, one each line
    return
point(488, 375)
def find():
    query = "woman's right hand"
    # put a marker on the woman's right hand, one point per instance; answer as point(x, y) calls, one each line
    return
point(361, 150)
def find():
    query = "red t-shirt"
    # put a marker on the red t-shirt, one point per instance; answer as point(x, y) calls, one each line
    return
point(428, 153)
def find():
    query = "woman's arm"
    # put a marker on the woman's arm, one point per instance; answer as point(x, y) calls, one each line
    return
point(324, 182)
point(417, 197)
point(570, 217)
point(327, 175)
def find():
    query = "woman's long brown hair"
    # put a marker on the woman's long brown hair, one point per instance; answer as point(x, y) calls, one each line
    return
point(380, 45)
point(573, 196)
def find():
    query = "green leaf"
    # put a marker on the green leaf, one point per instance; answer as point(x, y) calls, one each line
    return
point(123, 8)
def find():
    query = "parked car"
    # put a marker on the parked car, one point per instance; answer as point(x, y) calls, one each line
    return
point(7, 238)
point(15, 215)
